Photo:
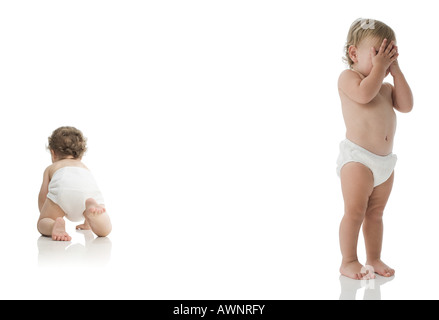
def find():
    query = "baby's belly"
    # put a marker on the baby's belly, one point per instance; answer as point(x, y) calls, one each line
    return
point(379, 142)
point(373, 129)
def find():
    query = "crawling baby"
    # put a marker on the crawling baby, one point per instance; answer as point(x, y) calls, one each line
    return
point(69, 189)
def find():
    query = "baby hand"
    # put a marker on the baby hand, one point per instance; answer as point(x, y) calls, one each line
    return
point(386, 55)
point(394, 67)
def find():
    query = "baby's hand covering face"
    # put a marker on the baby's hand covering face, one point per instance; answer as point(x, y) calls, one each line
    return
point(385, 56)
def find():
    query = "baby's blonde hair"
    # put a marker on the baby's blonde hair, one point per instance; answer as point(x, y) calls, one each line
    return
point(364, 28)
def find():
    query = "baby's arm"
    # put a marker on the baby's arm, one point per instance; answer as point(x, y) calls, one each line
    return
point(364, 90)
point(402, 94)
point(361, 90)
point(44, 189)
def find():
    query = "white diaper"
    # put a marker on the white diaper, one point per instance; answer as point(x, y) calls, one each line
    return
point(381, 166)
point(70, 187)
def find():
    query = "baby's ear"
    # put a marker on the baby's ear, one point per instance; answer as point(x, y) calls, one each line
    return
point(353, 53)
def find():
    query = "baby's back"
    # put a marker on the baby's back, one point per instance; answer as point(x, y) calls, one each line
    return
point(64, 163)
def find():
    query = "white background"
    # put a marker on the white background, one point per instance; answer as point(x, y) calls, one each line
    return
point(213, 130)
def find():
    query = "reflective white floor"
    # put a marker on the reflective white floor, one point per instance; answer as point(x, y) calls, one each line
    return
point(241, 262)
point(93, 252)
point(350, 289)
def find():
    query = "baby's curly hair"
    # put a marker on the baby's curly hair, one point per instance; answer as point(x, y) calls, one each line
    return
point(68, 141)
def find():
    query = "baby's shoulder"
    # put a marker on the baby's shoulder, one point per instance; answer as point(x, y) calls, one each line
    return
point(348, 74)
point(48, 172)
point(347, 80)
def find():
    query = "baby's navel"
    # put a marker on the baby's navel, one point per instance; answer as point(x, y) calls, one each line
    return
point(386, 138)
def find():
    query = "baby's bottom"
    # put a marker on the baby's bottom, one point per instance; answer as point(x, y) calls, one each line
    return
point(51, 222)
point(364, 205)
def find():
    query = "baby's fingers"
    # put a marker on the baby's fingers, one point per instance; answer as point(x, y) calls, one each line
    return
point(383, 46)
point(393, 52)
point(390, 47)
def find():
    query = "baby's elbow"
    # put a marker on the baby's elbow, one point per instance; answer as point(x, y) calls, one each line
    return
point(364, 96)
point(409, 108)
point(364, 99)
point(405, 108)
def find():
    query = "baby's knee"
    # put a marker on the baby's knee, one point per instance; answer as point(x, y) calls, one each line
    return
point(103, 231)
point(375, 214)
point(355, 213)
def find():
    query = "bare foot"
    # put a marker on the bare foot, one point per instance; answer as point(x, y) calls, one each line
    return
point(96, 216)
point(92, 208)
point(59, 231)
point(356, 270)
point(84, 226)
point(381, 268)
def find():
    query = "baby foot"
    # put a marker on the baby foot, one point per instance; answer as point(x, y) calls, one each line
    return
point(356, 270)
point(92, 208)
point(84, 226)
point(59, 231)
point(381, 268)
point(96, 216)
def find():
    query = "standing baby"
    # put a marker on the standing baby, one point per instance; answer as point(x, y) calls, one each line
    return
point(366, 162)
point(69, 189)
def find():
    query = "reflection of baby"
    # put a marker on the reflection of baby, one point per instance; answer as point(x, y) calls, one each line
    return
point(69, 189)
point(93, 252)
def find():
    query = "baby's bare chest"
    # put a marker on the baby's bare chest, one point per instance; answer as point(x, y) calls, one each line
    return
point(376, 117)
point(383, 100)
point(379, 107)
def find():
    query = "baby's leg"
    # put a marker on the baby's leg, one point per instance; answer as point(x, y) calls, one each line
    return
point(357, 186)
point(97, 218)
point(373, 227)
point(51, 222)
